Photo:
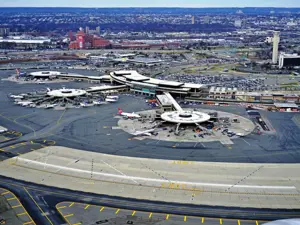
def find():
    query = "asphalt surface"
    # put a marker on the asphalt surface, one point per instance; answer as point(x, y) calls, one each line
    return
point(91, 129)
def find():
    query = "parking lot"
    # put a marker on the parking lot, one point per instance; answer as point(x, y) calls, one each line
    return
point(12, 210)
point(78, 214)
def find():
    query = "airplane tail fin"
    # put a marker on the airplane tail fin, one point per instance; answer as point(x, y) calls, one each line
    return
point(120, 110)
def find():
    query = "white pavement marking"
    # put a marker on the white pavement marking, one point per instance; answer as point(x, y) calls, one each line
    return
point(202, 145)
point(123, 176)
point(196, 144)
point(245, 141)
point(114, 168)
point(46, 159)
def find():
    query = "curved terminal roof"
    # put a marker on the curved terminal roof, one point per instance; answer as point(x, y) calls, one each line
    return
point(133, 77)
point(65, 93)
point(185, 117)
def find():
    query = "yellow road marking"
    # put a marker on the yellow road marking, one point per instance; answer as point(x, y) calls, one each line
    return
point(87, 207)
point(71, 204)
point(133, 213)
point(239, 222)
point(11, 198)
point(202, 221)
point(12, 146)
point(102, 209)
point(30, 222)
point(5, 193)
point(61, 207)
point(257, 222)
point(44, 141)
point(221, 222)
point(118, 210)
point(68, 215)
point(38, 206)
point(167, 216)
point(23, 143)
point(150, 215)
point(15, 206)
point(21, 214)
point(1, 150)
point(31, 142)
point(229, 147)
point(184, 218)
point(77, 223)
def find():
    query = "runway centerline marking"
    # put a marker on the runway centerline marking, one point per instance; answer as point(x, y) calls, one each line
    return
point(133, 178)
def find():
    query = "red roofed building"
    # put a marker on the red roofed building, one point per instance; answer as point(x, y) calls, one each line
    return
point(84, 41)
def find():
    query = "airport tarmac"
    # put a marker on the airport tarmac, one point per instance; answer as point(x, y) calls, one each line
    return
point(95, 129)
point(253, 171)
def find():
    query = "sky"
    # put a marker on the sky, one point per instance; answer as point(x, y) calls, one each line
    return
point(149, 3)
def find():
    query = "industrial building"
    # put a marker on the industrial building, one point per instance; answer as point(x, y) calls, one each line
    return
point(85, 40)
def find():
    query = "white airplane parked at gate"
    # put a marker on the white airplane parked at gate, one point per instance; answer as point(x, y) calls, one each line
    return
point(111, 98)
point(143, 133)
point(49, 106)
point(25, 103)
point(128, 115)
point(16, 96)
point(83, 104)
point(97, 102)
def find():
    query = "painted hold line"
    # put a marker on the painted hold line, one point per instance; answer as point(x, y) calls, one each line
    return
point(134, 178)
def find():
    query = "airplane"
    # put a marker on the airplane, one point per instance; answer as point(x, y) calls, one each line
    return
point(113, 97)
point(97, 102)
point(240, 134)
point(110, 100)
point(84, 104)
point(143, 133)
point(25, 103)
point(2, 130)
point(49, 106)
point(16, 96)
point(128, 115)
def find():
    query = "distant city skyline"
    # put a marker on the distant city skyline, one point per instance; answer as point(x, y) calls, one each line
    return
point(152, 3)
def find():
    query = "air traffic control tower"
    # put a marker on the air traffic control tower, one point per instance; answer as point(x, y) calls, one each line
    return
point(276, 40)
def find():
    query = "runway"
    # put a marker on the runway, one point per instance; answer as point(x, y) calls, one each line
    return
point(218, 184)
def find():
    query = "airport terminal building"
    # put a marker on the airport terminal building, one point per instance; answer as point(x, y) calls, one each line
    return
point(140, 84)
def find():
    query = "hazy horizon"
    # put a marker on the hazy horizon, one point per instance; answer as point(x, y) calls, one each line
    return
point(153, 3)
